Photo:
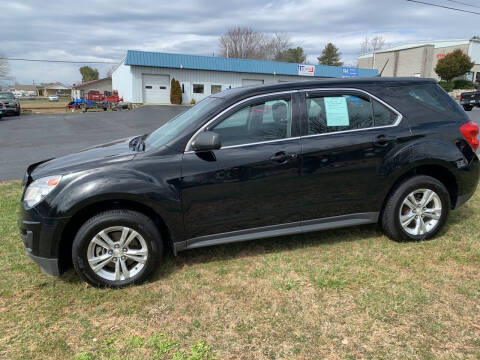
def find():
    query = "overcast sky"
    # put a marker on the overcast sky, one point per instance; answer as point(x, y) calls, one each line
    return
point(103, 30)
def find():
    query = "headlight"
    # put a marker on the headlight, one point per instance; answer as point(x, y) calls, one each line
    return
point(40, 188)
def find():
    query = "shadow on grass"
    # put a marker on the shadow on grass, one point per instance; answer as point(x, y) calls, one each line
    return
point(266, 246)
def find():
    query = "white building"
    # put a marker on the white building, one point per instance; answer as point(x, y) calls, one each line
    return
point(144, 77)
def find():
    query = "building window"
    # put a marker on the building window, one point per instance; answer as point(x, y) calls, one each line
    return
point(215, 89)
point(148, 87)
point(477, 77)
point(183, 88)
point(198, 88)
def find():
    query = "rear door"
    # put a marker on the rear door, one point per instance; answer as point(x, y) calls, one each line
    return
point(251, 182)
point(345, 136)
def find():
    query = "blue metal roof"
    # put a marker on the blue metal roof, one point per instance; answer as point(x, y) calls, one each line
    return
point(197, 62)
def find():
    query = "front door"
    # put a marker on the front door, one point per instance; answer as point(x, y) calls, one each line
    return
point(251, 182)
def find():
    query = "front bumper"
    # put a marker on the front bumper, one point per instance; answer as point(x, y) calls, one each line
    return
point(41, 237)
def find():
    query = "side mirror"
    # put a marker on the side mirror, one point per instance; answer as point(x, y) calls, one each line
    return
point(206, 141)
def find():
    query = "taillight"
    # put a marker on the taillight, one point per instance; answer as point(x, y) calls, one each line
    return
point(469, 131)
point(461, 97)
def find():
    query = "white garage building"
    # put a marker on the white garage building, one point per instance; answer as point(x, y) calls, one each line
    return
point(144, 77)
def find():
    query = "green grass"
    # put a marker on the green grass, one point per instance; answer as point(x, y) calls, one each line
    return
point(344, 294)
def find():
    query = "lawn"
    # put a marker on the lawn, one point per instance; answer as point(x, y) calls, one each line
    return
point(43, 106)
point(343, 294)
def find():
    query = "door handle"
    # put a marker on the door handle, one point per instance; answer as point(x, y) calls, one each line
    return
point(384, 140)
point(282, 157)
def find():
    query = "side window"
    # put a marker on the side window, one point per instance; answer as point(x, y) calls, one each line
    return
point(383, 116)
point(270, 120)
point(328, 114)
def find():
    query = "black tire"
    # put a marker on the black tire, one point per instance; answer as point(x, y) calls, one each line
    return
point(141, 223)
point(17, 113)
point(467, 108)
point(390, 219)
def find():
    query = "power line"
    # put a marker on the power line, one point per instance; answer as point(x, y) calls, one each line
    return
point(60, 61)
point(463, 3)
point(445, 7)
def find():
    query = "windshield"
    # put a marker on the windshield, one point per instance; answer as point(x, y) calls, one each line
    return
point(173, 128)
point(6, 95)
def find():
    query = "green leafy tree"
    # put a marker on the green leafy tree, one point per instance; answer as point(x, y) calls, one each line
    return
point(454, 64)
point(330, 56)
point(88, 73)
point(292, 55)
point(175, 92)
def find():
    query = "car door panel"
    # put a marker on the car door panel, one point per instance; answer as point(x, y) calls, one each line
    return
point(243, 186)
point(341, 171)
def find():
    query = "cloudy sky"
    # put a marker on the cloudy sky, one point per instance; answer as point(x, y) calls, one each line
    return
point(103, 30)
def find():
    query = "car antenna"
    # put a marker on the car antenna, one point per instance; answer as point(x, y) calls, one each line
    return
point(384, 66)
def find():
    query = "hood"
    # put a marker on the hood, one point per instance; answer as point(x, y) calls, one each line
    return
point(118, 150)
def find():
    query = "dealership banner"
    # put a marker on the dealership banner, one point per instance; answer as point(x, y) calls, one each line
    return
point(306, 70)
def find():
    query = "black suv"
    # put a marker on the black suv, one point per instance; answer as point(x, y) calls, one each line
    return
point(251, 163)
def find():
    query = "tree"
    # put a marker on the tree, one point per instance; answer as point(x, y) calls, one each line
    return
point(276, 46)
point(330, 56)
point(88, 73)
point(243, 43)
point(175, 92)
point(4, 69)
point(372, 45)
point(454, 64)
point(293, 55)
point(246, 43)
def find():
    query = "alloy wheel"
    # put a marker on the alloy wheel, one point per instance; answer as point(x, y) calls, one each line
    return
point(117, 253)
point(420, 212)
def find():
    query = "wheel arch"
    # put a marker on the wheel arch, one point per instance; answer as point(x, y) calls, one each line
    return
point(437, 171)
point(83, 214)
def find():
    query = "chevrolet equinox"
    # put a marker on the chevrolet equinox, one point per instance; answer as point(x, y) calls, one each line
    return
point(250, 163)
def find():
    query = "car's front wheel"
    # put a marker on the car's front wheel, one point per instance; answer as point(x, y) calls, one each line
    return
point(416, 210)
point(117, 248)
point(467, 108)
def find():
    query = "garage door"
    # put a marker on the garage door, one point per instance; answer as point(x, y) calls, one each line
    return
point(246, 82)
point(156, 89)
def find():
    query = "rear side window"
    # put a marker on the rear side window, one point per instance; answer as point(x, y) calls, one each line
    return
point(328, 114)
point(383, 116)
point(422, 103)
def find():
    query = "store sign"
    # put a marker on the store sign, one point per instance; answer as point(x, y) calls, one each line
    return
point(348, 72)
point(306, 70)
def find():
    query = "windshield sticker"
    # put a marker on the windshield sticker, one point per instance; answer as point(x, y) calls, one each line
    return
point(337, 111)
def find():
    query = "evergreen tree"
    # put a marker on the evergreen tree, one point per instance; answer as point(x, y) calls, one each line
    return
point(330, 56)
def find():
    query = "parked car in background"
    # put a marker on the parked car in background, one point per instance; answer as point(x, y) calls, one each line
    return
point(12, 105)
point(327, 154)
point(53, 98)
point(2, 109)
point(470, 99)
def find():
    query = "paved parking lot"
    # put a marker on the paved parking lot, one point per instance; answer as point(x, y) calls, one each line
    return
point(31, 138)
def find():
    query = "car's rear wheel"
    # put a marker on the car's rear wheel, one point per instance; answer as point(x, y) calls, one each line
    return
point(467, 108)
point(117, 248)
point(416, 210)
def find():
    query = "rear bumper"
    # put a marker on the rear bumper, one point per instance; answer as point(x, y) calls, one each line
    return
point(467, 181)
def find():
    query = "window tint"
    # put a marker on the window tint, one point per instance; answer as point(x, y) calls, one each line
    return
point(265, 121)
point(383, 116)
point(338, 113)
